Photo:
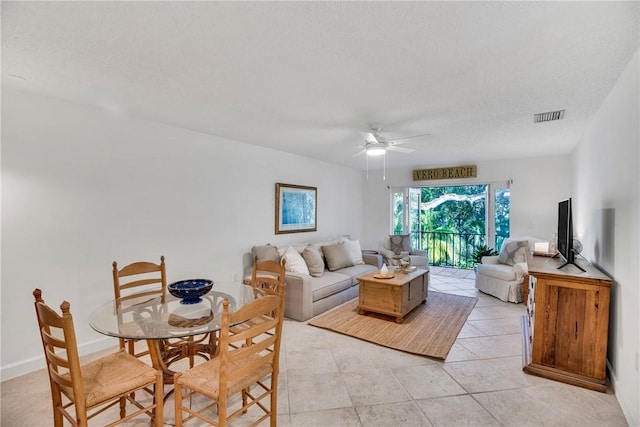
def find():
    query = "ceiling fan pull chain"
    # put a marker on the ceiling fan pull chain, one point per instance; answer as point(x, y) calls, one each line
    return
point(367, 168)
point(384, 166)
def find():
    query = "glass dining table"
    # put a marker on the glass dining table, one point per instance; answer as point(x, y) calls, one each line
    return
point(158, 320)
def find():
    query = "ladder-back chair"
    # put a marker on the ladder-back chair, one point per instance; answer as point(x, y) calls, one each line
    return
point(80, 393)
point(247, 363)
point(268, 276)
point(146, 279)
point(138, 280)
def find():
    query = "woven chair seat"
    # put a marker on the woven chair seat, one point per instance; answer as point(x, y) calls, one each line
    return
point(203, 378)
point(246, 325)
point(113, 375)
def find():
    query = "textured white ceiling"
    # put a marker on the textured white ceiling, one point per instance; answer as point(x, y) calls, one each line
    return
point(307, 77)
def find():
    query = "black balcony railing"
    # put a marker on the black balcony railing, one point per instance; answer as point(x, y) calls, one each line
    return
point(451, 249)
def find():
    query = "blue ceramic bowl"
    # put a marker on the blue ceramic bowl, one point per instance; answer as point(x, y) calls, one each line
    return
point(190, 291)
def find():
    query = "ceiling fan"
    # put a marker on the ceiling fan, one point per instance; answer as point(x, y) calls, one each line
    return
point(377, 145)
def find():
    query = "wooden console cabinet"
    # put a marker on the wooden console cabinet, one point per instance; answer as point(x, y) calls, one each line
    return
point(565, 330)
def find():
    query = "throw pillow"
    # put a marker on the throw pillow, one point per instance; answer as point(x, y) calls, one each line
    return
point(354, 250)
point(265, 253)
point(337, 256)
point(298, 247)
point(400, 243)
point(295, 262)
point(319, 245)
point(512, 251)
point(313, 257)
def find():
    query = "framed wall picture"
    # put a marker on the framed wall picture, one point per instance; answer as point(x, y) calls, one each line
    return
point(296, 208)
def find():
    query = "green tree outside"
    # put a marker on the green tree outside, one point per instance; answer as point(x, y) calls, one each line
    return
point(452, 222)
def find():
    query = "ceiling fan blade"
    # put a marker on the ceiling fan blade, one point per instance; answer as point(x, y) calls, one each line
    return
point(360, 153)
point(369, 137)
point(400, 149)
point(399, 141)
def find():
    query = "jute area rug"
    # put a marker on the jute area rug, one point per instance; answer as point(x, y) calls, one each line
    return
point(429, 330)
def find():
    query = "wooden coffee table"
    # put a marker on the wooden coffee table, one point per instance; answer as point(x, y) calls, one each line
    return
point(395, 296)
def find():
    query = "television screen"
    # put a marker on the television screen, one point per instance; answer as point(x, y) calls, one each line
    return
point(565, 230)
point(565, 233)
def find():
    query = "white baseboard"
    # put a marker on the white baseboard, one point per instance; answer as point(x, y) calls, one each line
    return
point(624, 405)
point(33, 364)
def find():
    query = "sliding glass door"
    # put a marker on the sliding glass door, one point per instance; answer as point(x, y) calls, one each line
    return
point(452, 221)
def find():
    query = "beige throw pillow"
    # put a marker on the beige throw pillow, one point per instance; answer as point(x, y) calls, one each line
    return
point(265, 253)
point(313, 257)
point(298, 247)
point(337, 256)
point(354, 250)
point(295, 262)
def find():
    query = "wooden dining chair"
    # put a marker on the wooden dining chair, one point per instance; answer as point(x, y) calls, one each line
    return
point(247, 363)
point(267, 277)
point(97, 386)
point(134, 281)
point(146, 279)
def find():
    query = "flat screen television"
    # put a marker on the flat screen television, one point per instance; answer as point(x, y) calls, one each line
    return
point(565, 233)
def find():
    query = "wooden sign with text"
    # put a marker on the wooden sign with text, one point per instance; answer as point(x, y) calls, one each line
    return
point(454, 172)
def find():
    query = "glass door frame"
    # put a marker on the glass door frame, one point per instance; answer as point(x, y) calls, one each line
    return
point(490, 210)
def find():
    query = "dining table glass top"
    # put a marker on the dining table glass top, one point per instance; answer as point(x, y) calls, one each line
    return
point(157, 318)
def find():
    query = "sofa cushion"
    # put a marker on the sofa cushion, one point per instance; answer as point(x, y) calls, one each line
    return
point(295, 262)
point(337, 256)
point(400, 243)
point(513, 251)
point(330, 283)
point(498, 271)
point(357, 270)
point(265, 253)
point(313, 257)
point(354, 250)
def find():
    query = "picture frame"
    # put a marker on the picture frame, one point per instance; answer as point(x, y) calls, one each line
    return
point(296, 208)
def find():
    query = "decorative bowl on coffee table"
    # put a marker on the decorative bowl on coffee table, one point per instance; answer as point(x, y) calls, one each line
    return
point(190, 291)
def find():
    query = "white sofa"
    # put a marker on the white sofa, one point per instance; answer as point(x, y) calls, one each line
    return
point(309, 295)
point(501, 276)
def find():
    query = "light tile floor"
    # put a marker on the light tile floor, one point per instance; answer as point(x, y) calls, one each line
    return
point(328, 380)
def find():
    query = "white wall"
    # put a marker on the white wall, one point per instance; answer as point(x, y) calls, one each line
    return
point(83, 187)
point(606, 219)
point(538, 185)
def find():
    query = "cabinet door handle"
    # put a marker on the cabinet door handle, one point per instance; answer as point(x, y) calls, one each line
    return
point(576, 330)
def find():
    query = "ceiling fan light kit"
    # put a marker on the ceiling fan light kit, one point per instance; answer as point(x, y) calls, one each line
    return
point(376, 151)
point(376, 145)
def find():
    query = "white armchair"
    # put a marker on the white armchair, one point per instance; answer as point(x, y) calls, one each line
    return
point(393, 246)
point(501, 276)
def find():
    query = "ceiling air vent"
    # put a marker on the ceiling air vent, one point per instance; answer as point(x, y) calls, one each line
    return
point(548, 116)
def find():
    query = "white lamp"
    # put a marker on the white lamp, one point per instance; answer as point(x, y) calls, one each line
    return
point(541, 247)
point(375, 151)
